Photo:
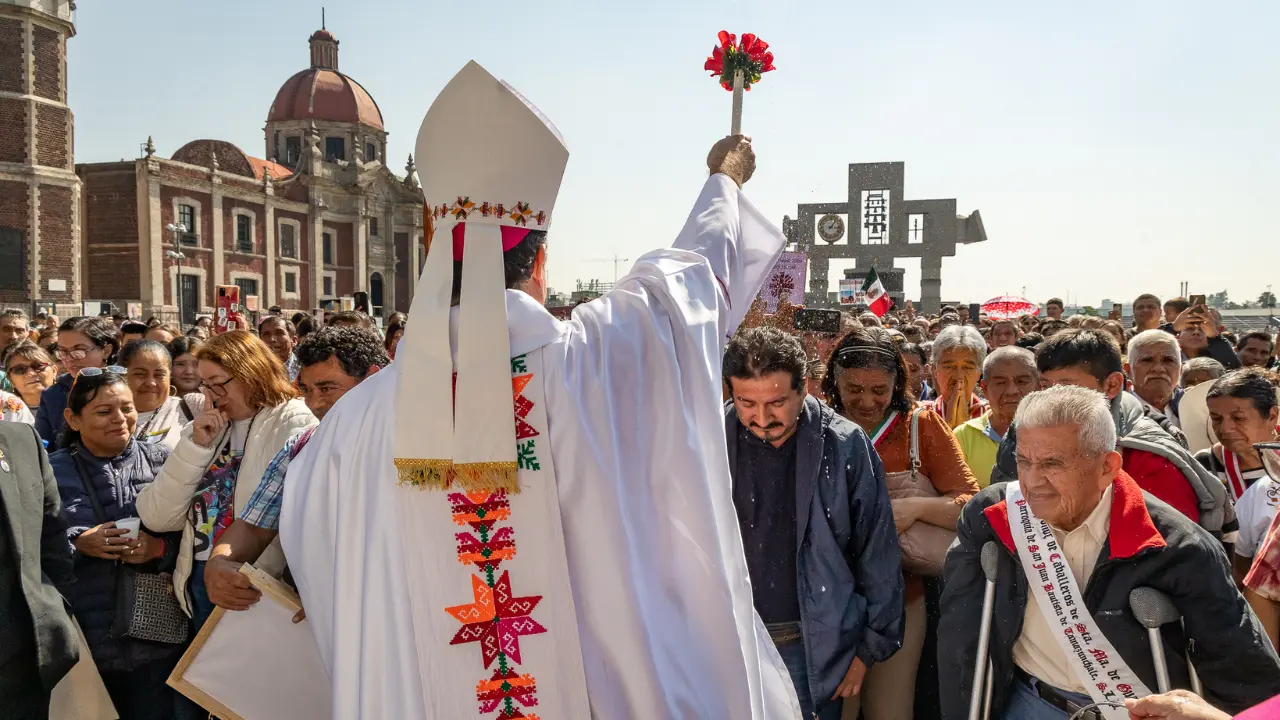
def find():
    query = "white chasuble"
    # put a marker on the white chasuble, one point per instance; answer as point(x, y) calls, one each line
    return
point(487, 607)
point(647, 598)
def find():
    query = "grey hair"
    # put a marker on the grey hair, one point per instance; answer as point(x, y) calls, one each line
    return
point(1063, 405)
point(960, 336)
point(1147, 338)
point(1011, 353)
point(1202, 364)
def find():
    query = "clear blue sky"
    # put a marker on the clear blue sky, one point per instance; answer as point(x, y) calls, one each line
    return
point(1112, 147)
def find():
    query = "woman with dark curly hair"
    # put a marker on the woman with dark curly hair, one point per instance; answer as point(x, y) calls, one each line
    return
point(928, 480)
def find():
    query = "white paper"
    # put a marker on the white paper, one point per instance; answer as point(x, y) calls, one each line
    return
point(261, 666)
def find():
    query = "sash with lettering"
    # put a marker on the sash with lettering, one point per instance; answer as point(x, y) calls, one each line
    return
point(1091, 656)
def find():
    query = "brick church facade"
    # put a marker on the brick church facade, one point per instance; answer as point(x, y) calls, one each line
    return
point(317, 218)
point(40, 194)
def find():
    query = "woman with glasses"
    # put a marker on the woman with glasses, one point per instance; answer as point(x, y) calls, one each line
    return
point(30, 370)
point(100, 469)
point(83, 342)
point(160, 418)
point(868, 382)
point(250, 411)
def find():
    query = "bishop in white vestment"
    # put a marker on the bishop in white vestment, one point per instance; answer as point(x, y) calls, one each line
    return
point(559, 539)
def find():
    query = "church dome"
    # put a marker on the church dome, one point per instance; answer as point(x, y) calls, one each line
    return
point(322, 93)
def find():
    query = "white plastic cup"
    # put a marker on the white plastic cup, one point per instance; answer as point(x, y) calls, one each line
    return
point(130, 524)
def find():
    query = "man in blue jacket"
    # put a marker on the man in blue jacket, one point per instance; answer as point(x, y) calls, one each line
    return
point(816, 524)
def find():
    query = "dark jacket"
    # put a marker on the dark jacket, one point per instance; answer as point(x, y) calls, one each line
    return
point(53, 401)
point(38, 547)
point(848, 564)
point(116, 482)
point(1150, 545)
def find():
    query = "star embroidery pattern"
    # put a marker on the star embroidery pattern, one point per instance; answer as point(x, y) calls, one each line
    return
point(497, 618)
point(462, 208)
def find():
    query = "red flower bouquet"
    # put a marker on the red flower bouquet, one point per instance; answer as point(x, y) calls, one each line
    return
point(751, 56)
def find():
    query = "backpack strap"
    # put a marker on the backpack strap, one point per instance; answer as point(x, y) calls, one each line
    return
point(913, 445)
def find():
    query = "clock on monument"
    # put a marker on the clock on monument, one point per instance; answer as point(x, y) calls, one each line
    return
point(831, 228)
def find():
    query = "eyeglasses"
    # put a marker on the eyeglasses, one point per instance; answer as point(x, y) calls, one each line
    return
point(218, 389)
point(76, 353)
point(96, 371)
point(32, 369)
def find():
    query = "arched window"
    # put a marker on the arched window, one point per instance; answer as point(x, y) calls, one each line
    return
point(375, 291)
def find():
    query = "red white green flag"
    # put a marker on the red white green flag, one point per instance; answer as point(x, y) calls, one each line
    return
point(878, 301)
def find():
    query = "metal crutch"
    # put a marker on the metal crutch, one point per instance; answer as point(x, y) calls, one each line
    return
point(982, 666)
point(1154, 609)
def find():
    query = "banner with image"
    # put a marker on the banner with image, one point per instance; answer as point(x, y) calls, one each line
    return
point(786, 281)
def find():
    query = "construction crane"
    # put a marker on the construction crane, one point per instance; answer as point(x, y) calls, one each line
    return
point(615, 260)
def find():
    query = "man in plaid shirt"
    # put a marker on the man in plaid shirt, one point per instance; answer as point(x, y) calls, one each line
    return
point(333, 360)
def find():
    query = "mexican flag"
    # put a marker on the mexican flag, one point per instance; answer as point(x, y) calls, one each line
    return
point(878, 301)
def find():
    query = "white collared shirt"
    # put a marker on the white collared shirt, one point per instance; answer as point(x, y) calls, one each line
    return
point(1036, 650)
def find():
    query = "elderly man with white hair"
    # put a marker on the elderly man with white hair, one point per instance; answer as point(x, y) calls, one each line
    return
point(1073, 537)
point(955, 367)
point(1154, 366)
point(1008, 375)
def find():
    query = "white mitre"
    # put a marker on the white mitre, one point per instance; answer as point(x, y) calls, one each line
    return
point(491, 167)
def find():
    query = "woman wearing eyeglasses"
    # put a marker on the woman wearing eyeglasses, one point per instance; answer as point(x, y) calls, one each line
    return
point(99, 470)
point(251, 410)
point(30, 370)
point(82, 342)
point(147, 367)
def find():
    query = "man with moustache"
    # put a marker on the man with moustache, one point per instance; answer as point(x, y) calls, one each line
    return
point(816, 522)
point(1075, 519)
point(1154, 365)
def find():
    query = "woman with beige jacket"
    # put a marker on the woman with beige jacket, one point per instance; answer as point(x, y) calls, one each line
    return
point(250, 411)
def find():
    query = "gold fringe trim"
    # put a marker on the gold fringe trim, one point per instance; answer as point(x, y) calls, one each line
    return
point(472, 477)
point(424, 474)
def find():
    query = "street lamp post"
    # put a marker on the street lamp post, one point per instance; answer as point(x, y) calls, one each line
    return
point(178, 231)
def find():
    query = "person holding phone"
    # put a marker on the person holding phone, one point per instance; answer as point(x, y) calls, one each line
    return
point(1197, 328)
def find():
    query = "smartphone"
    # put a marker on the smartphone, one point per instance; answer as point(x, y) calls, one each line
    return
point(1117, 311)
point(975, 312)
point(817, 320)
point(1197, 300)
point(317, 314)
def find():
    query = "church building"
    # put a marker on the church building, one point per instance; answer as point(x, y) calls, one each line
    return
point(318, 217)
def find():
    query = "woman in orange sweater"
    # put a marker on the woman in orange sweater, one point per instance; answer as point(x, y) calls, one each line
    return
point(867, 383)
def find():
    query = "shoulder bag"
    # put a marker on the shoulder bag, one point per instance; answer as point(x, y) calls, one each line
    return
point(924, 546)
point(146, 608)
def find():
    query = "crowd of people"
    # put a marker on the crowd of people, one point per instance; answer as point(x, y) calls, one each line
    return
point(1082, 414)
point(947, 516)
point(165, 450)
point(168, 452)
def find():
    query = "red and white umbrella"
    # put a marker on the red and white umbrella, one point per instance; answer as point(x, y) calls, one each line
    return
point(1009, 306)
